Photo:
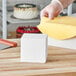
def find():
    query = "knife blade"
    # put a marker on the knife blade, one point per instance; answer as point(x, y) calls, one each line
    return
point(4, 44)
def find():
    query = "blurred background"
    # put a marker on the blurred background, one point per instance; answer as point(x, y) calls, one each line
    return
point(14, 23)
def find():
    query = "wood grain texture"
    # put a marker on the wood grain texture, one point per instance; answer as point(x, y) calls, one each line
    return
point(60, 62)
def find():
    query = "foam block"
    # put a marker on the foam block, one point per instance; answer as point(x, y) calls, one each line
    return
point(34, 48)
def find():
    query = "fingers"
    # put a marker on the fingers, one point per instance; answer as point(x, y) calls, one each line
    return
point(44, 13)
point(50, 11)
point(47, 13)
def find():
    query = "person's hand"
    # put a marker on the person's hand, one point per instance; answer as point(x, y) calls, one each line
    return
point(52, 10)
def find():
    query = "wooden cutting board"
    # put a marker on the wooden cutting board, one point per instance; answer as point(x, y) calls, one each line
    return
point(60, 62)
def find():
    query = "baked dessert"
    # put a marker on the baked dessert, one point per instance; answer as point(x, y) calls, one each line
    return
point(25, 11)
point(26, 29)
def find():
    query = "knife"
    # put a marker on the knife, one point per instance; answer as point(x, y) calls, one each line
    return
point(4, 44)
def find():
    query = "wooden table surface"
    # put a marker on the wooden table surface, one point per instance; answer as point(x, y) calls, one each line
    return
point(60, 62)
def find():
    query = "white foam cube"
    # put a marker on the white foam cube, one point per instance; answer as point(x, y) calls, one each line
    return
point(34, 48)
